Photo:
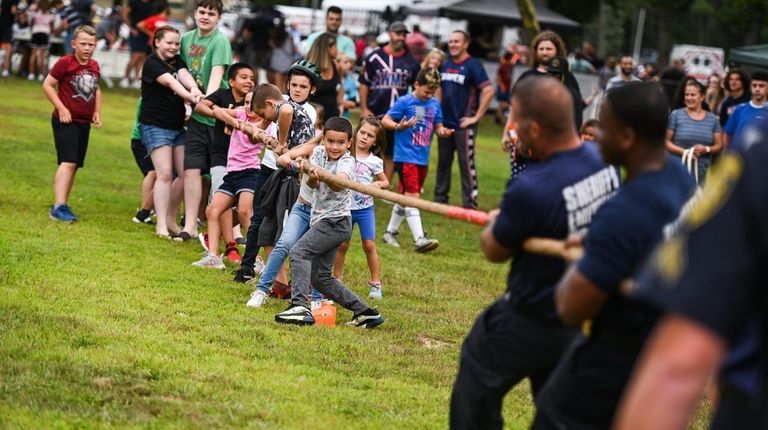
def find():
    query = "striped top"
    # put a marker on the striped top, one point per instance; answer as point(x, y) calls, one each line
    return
point(690, 132)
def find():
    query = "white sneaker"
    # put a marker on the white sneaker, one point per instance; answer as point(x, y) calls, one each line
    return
point(390, 239)
point(124, 83)
point(258, 265)
point(136, 84)
point(5, 74)
point(41, 77)
point(424, 244)
point(210, 261)
point(31, 77)
point(257, 299)
point(375, 293)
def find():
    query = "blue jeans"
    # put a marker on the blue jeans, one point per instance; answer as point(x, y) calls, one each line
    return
point(296, 225)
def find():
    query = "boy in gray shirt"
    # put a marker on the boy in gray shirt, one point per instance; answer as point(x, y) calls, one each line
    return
point(330, 223)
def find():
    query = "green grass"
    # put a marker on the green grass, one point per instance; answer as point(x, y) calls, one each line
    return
point(104, 325)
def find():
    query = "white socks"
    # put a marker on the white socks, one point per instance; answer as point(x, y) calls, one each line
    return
point(398, 214)
point(413, 218)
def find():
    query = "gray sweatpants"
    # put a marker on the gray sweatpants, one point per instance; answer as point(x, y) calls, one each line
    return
point(462, 142)
point(312, 260)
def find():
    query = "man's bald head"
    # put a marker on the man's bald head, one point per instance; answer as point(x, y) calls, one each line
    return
point(547, 102)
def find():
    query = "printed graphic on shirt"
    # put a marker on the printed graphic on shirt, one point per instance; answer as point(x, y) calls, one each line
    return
point(84, 86)
point(585, 197)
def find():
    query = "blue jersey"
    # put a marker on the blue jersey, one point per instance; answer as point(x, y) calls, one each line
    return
point(387, 78)
point(461, 84)
point(743, 115)
point(412, 144)
point(554, 198)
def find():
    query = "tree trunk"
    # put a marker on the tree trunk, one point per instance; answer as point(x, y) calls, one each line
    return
point(530, 23)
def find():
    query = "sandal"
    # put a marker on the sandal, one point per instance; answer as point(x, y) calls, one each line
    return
point(164, 236)
point(183, 236)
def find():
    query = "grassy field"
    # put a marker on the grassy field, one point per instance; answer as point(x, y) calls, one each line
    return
point(104, 325)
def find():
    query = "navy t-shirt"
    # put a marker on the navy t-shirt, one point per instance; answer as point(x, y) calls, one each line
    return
point(622, 235)
point(729, 105)
point(554, 198)
point(387, 78)
point(461, 83)
point(713, 270)
point(222, 97)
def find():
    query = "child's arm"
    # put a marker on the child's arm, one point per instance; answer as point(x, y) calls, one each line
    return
point(206, 107)
point(284, 119)
point(49, 88)
point(167, 80)
point(96, 119)
point(188, 81)
point(443, 131)
point(214, 82)
point(390, 124)
point(382, 181)
point(302, 151)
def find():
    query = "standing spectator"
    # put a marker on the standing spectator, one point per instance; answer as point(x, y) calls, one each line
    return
point(467, 93)
point(349, 84)
point(737, 84)
point(715, 93)
point(671, 77)
point(503, 85)
point(7, 16)
point(433, 59)
point(581, 65)
point(588, 52)
point(650, 72)
point(387, 74)
point(42, 20)
point(138, 42)
point(694, 127)
point(627, 73)
point(255, 34)
point(332, 24)
point(417, 43)
point(330, 94)
point(747, 113)
point(77, 13)
point(284, 53)
point(73, 89)
point(608, 71)
point(159, 19)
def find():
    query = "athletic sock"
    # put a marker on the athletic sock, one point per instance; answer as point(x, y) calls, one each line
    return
point(413, 218)
point(398, 213)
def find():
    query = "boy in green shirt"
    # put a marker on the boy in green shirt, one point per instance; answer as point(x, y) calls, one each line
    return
point(207, 53)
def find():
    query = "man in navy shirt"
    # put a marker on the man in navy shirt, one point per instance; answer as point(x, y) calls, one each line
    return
point(583, 392)
point(467, 93)
point(520, 334)
point(387, 74)
point(711, 279)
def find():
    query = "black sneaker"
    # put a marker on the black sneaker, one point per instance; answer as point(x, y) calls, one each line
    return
point(244, 275)
point(369, 318)
point(295, 314)
point(143, 216)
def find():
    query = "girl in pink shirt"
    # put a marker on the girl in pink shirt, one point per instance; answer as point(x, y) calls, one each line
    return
point(239, 185)
point(41, 20)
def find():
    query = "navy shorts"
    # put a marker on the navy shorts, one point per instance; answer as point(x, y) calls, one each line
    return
point(240, 181)
point(366, 219)
point(71, 141)
point(141, 156)
point(139, 43)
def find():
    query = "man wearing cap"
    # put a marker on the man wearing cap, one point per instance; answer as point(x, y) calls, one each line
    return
point(387, 74)
point(344, 44)
point(467, 93)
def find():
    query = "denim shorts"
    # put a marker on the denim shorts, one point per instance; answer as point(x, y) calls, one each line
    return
point(366, 220)
point(154, 137)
